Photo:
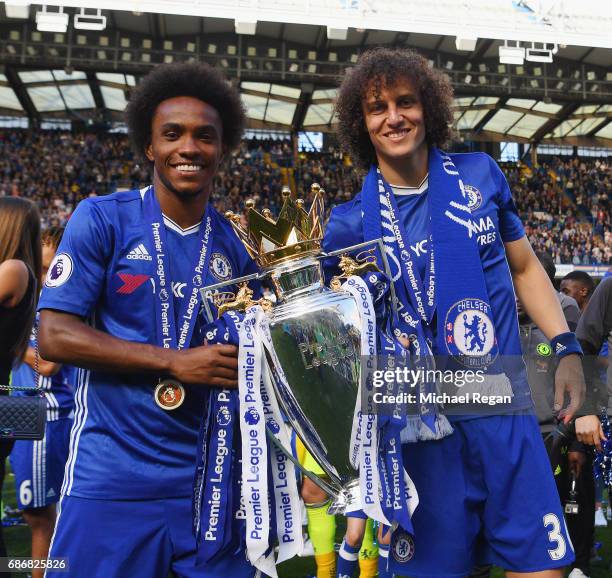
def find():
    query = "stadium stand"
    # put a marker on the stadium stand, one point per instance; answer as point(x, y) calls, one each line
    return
point(564, 204)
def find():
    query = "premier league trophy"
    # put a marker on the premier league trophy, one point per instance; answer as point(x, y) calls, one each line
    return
point(315, 332)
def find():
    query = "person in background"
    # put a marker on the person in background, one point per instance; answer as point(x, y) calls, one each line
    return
point(576, 461)
point(39, 465)
point(20, 269)
point(595, 334)
point(580, 286)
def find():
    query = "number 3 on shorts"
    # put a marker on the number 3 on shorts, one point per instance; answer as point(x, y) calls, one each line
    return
point(555, 536)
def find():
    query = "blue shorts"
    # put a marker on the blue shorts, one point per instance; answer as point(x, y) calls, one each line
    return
point(486, 495)
point(39, 466)
point(133, 539)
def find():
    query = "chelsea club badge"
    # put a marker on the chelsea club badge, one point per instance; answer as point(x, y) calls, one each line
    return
point(470, 333)
point(169, 394)
point(402, 546)
point(474, 197)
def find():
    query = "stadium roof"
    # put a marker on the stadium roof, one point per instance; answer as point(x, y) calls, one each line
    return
point(287, 71)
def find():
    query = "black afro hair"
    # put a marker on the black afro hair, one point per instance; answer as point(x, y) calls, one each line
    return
point(195, 79)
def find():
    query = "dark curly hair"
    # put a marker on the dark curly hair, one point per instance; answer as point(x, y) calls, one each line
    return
point(381, 67)
point(195, 79)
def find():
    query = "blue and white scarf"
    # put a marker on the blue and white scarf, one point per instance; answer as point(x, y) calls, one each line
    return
point(453, 291)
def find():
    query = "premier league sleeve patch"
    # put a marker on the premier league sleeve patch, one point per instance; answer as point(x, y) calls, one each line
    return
point(470, 333)
point(220, 267)
point(60, 271)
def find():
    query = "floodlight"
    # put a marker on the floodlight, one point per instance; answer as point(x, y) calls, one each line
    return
point(482, 79)
point(272, 52)
point(168, 58)
point(467, 79)
point(17, 9)
point(245, 27)
point(449, 65)
point(354, 58)
point(504, 81)
point(595, 88)
point(577, 86)
point(224, 63)
point(51, 21)
point(560, 85)
point(312, 69)
point(248, 64)
point(332, 57)
point(212, 49)
point(337, 33)
point(467, 43)
point(84, 21)
point(294, 67)
point(511, 54)
point(591, 75)
point(534, 83)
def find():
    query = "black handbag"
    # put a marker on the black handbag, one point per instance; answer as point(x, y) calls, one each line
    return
point(24, 417)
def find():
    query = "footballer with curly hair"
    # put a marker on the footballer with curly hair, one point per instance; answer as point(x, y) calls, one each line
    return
point(457, 253)
point(118, 303)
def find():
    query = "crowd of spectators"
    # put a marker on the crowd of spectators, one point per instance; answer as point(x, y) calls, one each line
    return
point(564, 203)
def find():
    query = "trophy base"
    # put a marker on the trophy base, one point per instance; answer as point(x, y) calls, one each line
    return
point(347, 500)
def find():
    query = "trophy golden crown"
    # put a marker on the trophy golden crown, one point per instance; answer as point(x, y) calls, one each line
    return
point(295, 234)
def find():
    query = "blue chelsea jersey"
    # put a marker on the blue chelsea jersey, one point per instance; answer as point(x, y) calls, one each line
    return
point(123, 446)
point(58, 389)
point(495, 220)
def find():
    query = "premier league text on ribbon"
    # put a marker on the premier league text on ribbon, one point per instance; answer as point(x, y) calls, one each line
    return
point(161, 280)
point(221, 454)
point(256, 470)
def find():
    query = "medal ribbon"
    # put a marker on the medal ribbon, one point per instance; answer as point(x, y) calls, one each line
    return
point(167, 335)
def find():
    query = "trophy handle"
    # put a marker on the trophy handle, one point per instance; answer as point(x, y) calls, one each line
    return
point(385, 262)
point(328, 488)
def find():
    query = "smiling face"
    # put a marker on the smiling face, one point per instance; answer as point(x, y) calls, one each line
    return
point(396, 124)
point(186, 146)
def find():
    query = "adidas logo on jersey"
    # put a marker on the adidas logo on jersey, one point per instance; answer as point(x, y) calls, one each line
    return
point(560, 348)
point(140, 252)
point(50, 493)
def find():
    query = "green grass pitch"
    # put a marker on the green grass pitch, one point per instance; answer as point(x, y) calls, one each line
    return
point(18, 544)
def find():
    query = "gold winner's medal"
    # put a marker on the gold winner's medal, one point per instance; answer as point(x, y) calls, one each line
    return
point(169, 394)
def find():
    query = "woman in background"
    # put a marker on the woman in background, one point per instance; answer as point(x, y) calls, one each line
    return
point(20, 269)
